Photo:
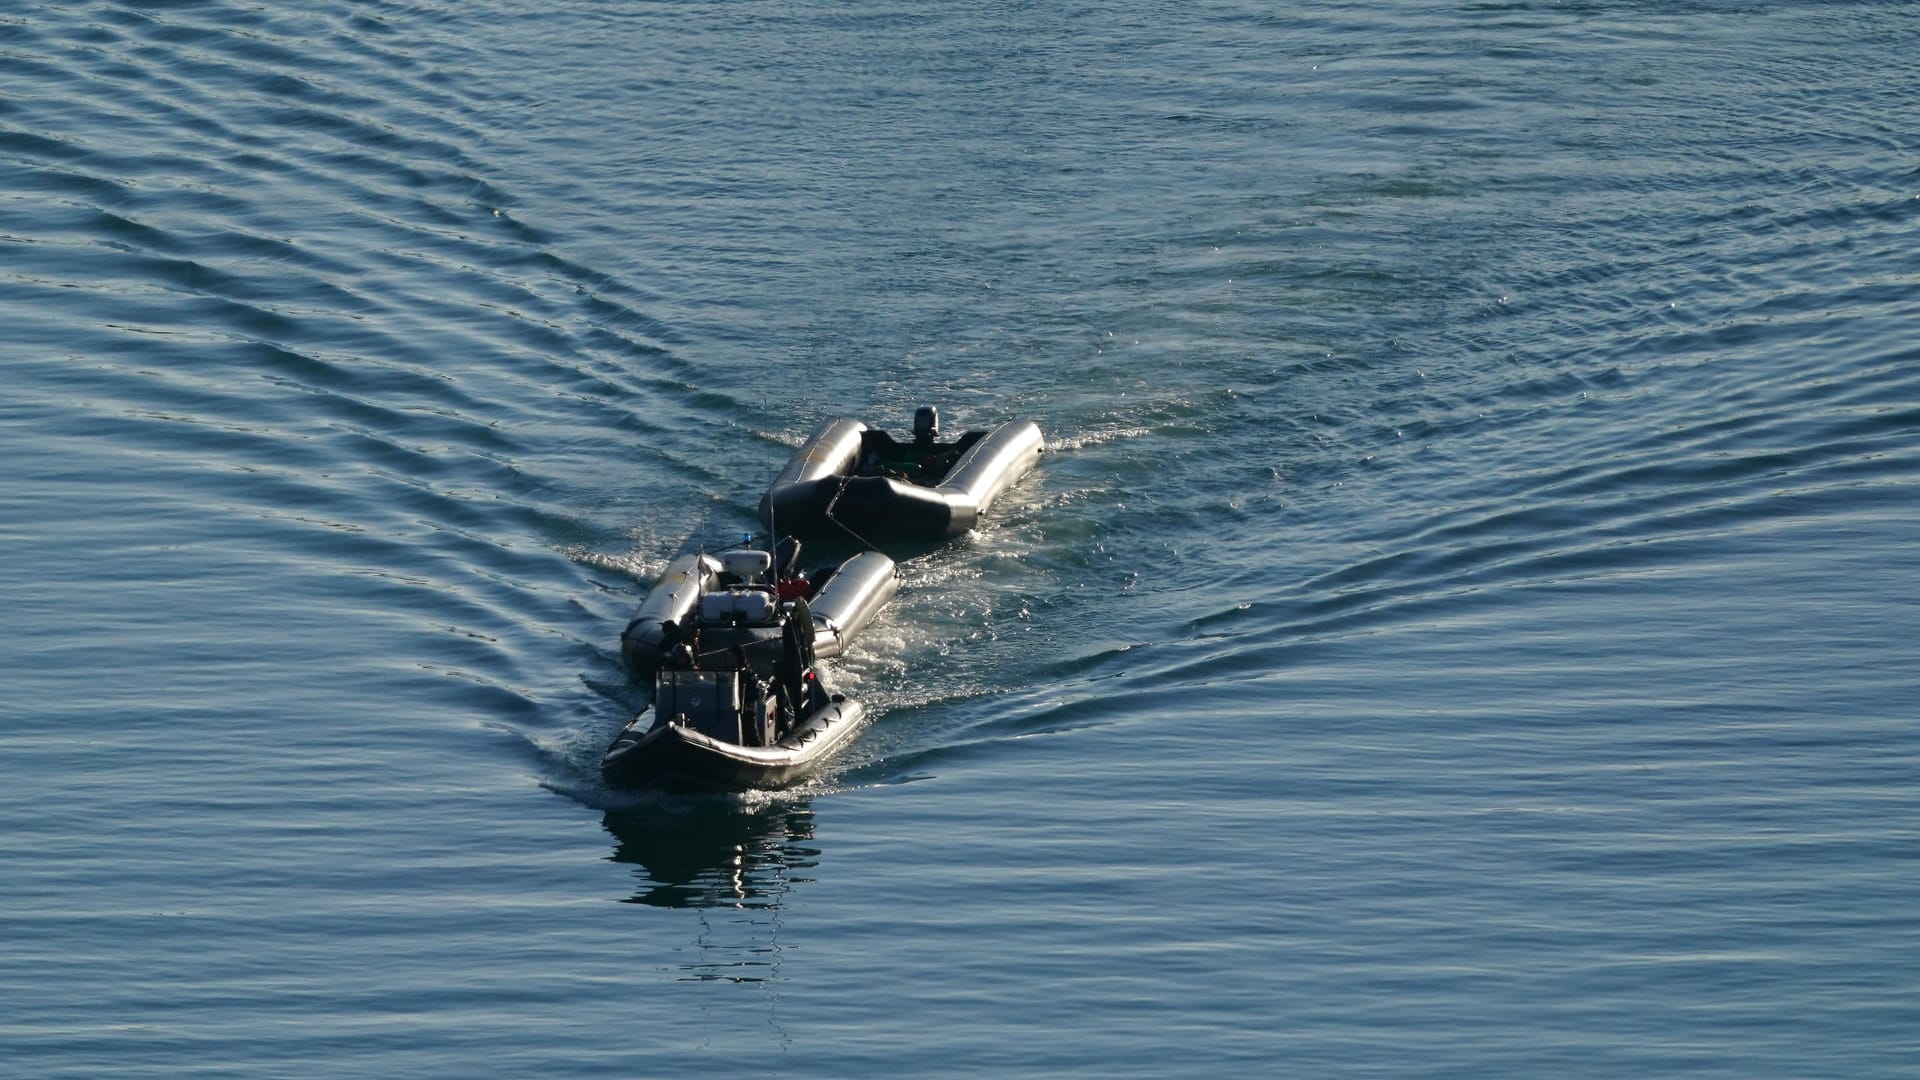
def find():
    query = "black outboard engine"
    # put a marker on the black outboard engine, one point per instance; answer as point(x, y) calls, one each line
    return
point(926, 427)
point(786, 558)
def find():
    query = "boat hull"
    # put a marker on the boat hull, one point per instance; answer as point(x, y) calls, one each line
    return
point(650, 753)
point(821, 494)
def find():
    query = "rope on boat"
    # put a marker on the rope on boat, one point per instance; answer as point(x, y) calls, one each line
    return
point(845, 478)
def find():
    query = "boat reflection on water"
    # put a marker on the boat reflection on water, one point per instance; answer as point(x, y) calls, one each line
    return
point(714, 851)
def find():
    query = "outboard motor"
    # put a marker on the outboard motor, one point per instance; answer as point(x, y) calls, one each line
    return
point(926, 427)
point(786, 558)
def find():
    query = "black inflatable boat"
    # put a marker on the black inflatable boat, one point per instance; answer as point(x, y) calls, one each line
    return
point(854, 483)
point(731, 641)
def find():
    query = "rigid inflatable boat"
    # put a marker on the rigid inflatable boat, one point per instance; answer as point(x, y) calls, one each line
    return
point(731, 642)
point(851, 482)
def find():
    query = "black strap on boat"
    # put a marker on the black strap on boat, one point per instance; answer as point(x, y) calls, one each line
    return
point(843, 526)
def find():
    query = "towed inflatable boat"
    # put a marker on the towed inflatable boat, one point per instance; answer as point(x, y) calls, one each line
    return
point(850, 482)
point(732, 642)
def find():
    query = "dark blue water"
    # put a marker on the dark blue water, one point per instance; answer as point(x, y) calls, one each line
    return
point(1464, 625)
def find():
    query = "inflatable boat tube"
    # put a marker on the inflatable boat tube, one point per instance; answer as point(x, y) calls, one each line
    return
point(676, 753)
point(675, 596)
point(851, 482)
point(848, 600)
point(694, 590)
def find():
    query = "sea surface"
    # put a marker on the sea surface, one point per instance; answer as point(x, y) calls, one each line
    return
point(1464, 623)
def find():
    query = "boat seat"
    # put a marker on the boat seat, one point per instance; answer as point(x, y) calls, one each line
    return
point(746, 564)
point(737, 606)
